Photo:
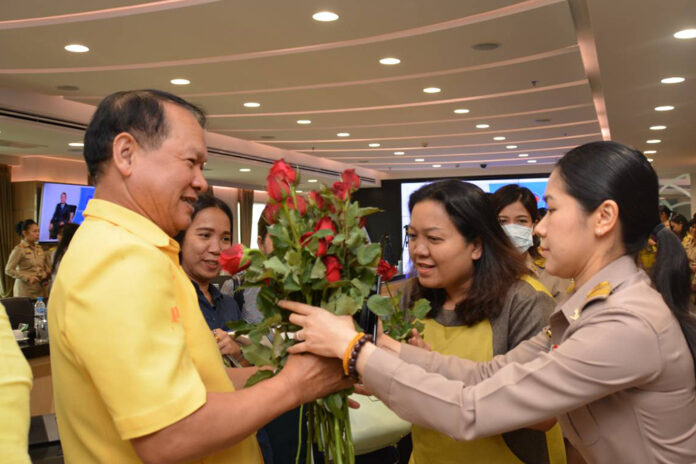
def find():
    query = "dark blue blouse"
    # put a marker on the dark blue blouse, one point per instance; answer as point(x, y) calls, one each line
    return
point(223, 310)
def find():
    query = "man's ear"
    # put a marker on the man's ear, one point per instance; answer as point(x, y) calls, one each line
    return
point(124, 148)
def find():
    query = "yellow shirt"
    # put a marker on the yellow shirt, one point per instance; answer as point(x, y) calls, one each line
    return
point(130, 351)
point(15, 385)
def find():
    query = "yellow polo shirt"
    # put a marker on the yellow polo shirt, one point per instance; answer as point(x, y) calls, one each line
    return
point(15, 385)
point(130, 351)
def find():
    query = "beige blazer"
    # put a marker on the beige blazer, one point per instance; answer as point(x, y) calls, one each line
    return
point(613, 366)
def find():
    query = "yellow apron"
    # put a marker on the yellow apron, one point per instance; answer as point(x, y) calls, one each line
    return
point(431, 447)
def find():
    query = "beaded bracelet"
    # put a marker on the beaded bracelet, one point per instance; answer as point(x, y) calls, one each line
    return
point(349, 348)
point(353, 361)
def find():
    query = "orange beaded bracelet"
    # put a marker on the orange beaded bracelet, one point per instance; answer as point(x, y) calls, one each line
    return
point(346, 355)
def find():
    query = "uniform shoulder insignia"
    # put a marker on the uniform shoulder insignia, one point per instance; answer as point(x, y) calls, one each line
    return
point(540, 262)
point(600, 292)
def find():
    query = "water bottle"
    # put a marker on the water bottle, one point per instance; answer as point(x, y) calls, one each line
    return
point(40, 322)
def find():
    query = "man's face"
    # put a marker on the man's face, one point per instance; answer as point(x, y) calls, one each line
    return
point(63, 198)
point(165, 181)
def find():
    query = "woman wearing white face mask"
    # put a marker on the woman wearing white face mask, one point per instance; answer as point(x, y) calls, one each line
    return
point(516, 208)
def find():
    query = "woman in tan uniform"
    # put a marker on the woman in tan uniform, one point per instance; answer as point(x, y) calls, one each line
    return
point(28, 263)
point(616, 364)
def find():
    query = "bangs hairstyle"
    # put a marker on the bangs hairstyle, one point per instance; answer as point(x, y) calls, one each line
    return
point(500, 265)
point(600, 171)
point(512, 193)
point(137, 112)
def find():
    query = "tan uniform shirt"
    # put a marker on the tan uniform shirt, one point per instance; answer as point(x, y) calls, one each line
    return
point(24, 262)
point(614, 367)
point(556, 286)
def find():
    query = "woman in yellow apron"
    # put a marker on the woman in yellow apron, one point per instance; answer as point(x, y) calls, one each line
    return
point(484, 303)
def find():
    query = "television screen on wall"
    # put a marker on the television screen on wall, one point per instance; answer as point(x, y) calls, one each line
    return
point(61, 204)
point(536, 184)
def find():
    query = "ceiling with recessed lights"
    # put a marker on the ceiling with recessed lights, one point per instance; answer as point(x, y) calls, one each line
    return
point(397, 88)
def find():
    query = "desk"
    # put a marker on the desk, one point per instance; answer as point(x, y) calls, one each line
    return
point(38, 355)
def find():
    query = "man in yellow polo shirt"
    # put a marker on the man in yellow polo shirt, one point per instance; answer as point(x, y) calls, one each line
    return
point(137, 374)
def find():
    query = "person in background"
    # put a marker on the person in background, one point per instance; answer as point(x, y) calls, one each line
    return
point(665, 215)
point(28, 264)
point(516, 208)
point(210, 232)
point(484, 303)
point(679, 225)
point(64, 238)
point(62, 215)
point(137, 375)
point(616, 364)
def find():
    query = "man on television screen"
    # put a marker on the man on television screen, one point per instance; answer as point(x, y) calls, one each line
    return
point(62, 215)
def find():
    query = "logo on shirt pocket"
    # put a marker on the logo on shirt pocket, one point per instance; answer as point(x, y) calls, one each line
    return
point(175, 314)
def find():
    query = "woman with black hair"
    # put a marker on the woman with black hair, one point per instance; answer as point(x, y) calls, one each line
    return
point(28, 264)
point(679, 225)
point(516, 208)
point(616, 364)
point(484, 303)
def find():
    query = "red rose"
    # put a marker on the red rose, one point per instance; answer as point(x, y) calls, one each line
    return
point(341, 190)
point(305, 238)
point(333, 268)
point(270, 211)
point(322, 248)
point(316, 198)
point(351, 179)
point(231, 259)
point(326, 223)
point(283, 171)
point(301, 204)
point(386, 270)
point(277, 188)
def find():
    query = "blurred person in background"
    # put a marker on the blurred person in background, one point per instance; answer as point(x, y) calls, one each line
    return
point(28, 263)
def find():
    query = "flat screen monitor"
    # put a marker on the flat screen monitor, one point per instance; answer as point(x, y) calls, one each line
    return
point(60, 204)
point(536, 184)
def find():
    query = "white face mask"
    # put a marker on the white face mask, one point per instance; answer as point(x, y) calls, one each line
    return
point(520, 236)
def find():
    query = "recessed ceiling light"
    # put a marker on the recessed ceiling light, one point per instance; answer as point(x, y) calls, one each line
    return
point(650, 152)
point(658, 127)
point(180, 81)
point(299, 191)
point(461, 111)
point(77, 48)
point(374, 145)
point(437, 165)
point(311, 181)
point(343, 134)
point(686, 34)
point(252, 104)
point(672, 80)
point(419, 160)
point(325, 16)
point(304, 121)
point(390, 60)
point(531, 161)
point(499, 138)
point(432, 90)
point(523, 155)
point(653, 141)
point(398, 153)
point(510, 147)
point(482, 126)
point(650, 160)
point(76, 144)
point(664, 108)
point(244, 170)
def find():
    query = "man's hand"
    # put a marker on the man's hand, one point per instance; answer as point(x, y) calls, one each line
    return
point(310, 377)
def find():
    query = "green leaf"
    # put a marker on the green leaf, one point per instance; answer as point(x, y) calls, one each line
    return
point(345, 305)
point(258, 377)
point(258, 355)
point(338, 239)
point(355, 238)
point(367, 254)
point(334, 402)
point(240, 327)
point(420, 308)
point(290, 283)
point(293, 258)
point(380, 305)
point(277, 266)
point(318, 270)
point(362, 212)
point(323, 233)
point(266, 302)
point(362, 286)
